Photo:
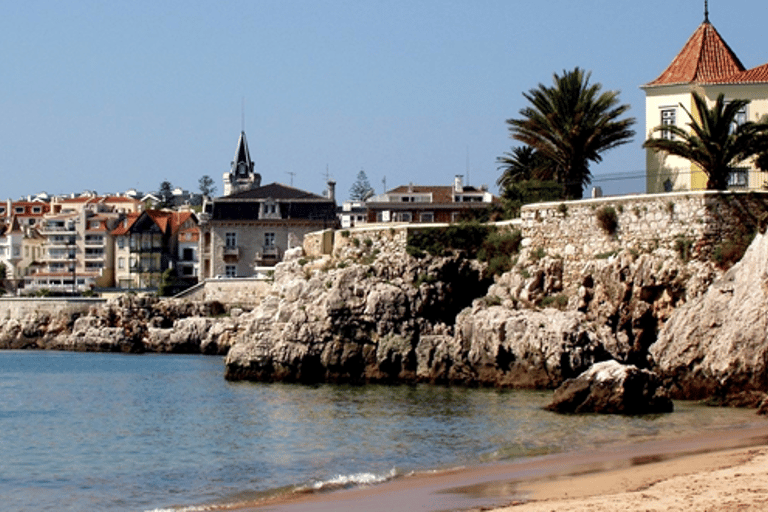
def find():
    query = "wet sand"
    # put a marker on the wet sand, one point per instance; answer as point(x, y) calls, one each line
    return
point(718, 470)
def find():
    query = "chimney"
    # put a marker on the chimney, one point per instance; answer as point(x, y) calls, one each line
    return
point(332, 190)
point(457, 186)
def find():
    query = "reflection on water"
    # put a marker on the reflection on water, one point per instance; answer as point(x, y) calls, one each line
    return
point(122, 432)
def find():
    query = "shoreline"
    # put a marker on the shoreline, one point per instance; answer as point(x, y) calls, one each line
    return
point(603, 479)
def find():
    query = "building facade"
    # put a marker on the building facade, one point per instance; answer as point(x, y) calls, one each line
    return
point(252, 225)
point(708, 66)
point(78, 247)
point(419, 203)
point(153, 241)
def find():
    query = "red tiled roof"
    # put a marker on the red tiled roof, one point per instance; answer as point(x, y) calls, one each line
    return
point(705, 58)
point(123, 227)
point(159, 217)
point(441, 194)
point(178, 219)
point(758, 75)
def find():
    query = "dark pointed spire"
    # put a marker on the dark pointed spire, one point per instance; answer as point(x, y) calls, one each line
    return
point(242, 165)
point(706, 11)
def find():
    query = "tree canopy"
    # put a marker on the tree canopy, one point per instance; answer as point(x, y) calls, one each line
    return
point(165, 194)
point(571, 123)
point(207, 186)
point(361, 189)
point(714, 142)
point(523, 163)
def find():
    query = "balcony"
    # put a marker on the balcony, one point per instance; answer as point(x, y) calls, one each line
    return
point(59, 257)
point(56, 228)
point(231, 251)
point(139, 269)
point(270, 251)
point(147, 248)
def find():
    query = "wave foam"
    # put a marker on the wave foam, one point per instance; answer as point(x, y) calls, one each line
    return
point(343, 481)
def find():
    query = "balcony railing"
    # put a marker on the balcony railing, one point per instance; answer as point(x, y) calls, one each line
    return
point(138, 269)
point(232, 250)
point(56, 229)
point(270, 251)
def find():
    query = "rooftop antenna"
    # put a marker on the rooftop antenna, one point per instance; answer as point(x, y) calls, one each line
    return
point(467, 165)
point(292, 174)
point(384, 184)
point(706, 11)
point(327, 174)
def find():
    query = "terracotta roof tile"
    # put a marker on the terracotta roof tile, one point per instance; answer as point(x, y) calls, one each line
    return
point(123, 227)
point(705, 58)
point(758, 75)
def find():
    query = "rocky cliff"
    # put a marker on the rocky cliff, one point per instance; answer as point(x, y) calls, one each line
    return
point(717, 344)
point(373, 313)
point(128, 324)
point(393, 317)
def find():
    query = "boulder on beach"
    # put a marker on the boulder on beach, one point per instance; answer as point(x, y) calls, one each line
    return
point(610, 387)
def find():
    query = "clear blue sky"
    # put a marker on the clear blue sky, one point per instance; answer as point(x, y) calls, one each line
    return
point(109, 96)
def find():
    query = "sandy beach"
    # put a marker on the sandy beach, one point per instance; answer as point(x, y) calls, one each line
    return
point(717, 481)
point(717, 470)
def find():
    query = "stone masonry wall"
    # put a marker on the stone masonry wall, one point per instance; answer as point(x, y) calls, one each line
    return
point(698, 220)
point(20, 307)
point(245, 292)
point(570, 229)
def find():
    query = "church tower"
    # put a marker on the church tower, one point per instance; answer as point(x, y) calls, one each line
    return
point(241, 176)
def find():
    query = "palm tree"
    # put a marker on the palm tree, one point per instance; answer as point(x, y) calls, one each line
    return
point(523, 163)
point(712, 142)
point(572, 124)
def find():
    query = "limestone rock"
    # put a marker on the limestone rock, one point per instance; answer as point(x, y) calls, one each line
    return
point(718, 344)
point(612, 388)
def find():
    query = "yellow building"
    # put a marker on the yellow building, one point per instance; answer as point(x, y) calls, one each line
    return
point(707, 65)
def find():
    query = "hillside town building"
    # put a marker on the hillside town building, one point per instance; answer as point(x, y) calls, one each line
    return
point(419, 203)
point(78, 248)
point(707, 65)
point(150, 242)
point(252, 225)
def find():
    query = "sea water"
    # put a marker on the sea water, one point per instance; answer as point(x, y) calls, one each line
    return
point(113, 432)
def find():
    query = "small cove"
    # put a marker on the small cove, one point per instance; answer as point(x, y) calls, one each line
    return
point(127, 432)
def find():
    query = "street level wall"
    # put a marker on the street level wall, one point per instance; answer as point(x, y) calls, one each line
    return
point(16, 307)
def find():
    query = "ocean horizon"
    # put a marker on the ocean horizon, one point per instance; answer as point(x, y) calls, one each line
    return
point(109, 432)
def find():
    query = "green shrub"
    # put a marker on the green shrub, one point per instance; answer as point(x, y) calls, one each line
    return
point(731, 250)
point(345, 233)
point(684, 248)
point(493, 300)
point(559, 301)
point(415, 252)
point(605, 255)
point(498, 265)
point(563, 209)
point(607, 219)
point(465, 237)
point(356, 242)
point(424, 279)
point(368, 242)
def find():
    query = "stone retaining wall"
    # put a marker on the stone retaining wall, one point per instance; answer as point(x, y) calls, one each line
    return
point(19, 307)
point(696, 221)
point(245, 292)
point(571, 229)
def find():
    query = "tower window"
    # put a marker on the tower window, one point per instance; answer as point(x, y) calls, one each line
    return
point(668, 116)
